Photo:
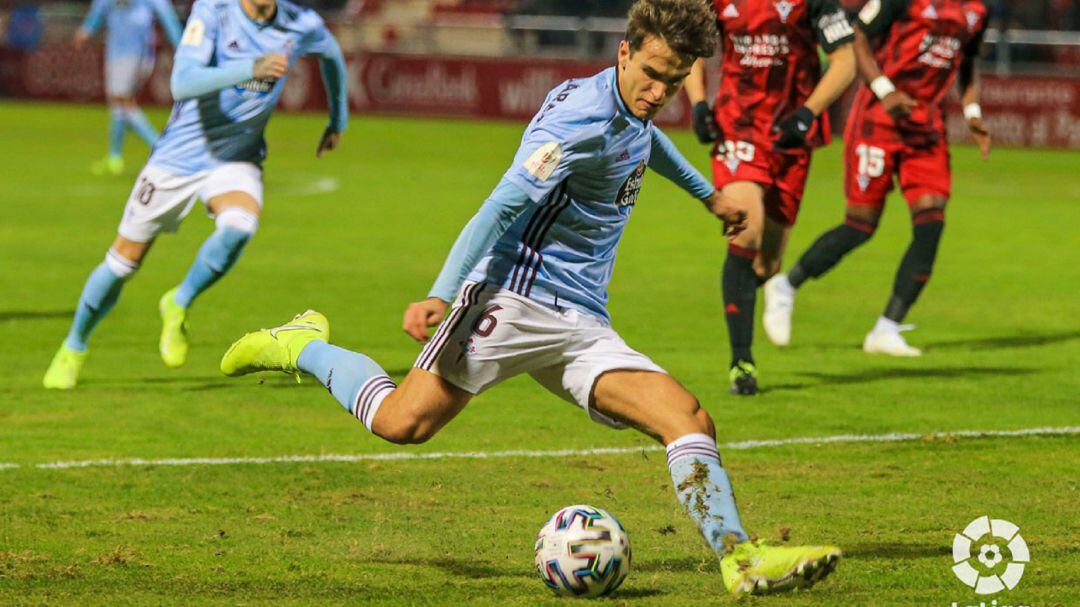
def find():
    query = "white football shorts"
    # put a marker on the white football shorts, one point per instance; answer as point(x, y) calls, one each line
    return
point(124, 76)
point(160, 200)
point(492, 334)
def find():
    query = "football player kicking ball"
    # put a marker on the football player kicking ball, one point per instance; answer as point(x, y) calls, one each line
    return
point(228, 74)
point(767, 119)
point(530, 272)
point(896, 128)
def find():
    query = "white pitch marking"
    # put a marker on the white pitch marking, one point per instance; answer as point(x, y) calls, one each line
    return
point(319, 185)
point(895, 437)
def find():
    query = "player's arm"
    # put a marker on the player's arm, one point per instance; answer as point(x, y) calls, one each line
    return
point(166, 16)
point(192, 75)
point(873, 21)
point(705, 126)
point(969, 93)
point(332, 65)
point(666, 160)
point(835, 37)
point(546, 157)
point(90, 25)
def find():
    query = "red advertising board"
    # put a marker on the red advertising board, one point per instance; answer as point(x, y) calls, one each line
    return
point(1020, 111)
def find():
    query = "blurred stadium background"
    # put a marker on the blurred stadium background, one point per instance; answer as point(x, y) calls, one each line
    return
point(497, 59)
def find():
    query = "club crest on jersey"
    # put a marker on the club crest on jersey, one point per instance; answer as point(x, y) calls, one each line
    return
point(930, 12)
point(732, 163)
point(784, 9)
point(972, 20)
point(730, 12)
point(864, 182)
point(629, 191)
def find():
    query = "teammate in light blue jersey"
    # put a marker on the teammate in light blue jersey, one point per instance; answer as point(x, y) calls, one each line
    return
point(228, 73)
point(529, 274)
point(130, 47)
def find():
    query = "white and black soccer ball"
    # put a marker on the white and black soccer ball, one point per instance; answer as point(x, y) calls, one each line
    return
point(583, 551)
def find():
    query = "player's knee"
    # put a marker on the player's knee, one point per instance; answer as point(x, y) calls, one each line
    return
point(704, 422)
point(766, 268)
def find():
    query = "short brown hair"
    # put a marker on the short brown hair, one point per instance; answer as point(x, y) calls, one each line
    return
point(687, 26)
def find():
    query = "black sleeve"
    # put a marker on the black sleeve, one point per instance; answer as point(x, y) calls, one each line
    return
point(830, 24)
point(877, 16)
point(972, 50)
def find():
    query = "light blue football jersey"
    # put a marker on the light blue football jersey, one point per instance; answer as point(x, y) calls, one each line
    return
point(228, 125)
point(582, 160)
point(129, 25)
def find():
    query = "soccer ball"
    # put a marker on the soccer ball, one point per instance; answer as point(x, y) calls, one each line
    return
point(582, 551)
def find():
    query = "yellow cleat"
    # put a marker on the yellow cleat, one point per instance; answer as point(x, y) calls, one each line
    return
point(760, 569)
point(64, 369)
point(109, 165)
point(173, 344)
point(275, 349)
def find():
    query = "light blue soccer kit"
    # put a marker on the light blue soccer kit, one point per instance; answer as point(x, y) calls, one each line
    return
point(213, 142)
point(529, 274)
point(130, 47)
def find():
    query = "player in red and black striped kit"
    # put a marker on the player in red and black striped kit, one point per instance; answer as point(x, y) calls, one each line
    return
point(896, 129)
point(766, 121)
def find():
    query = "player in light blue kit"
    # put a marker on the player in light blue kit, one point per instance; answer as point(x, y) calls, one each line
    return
point(130, 47)
point(227, 76)
point(529, 275)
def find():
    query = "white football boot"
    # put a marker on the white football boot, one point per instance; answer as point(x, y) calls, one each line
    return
point(779, 304)
point(886, 339)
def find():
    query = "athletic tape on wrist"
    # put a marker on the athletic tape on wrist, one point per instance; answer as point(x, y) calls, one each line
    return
point(973, 111)
point(882, 87)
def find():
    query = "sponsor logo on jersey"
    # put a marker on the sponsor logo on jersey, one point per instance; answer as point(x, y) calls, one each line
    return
point(761, 50)
point(234, 45)
point(939, 51)
point(784, 8)
point(543, 161)
point(629, 191)
point(730, 12)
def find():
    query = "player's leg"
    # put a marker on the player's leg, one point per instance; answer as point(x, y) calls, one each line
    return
point(655, 404)
point(138, 122)
point(925, 179)
point(99, 294)
point(740, 283)
point(236, 217)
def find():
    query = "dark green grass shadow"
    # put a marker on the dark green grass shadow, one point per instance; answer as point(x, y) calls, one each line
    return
point(31, 315)
point(866, 376)
point(896, 550)
point(1005, 342)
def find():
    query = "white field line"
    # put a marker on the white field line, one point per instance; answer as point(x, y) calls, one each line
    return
point(374, 457)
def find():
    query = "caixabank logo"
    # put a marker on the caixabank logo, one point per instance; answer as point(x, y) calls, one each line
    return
point(989, 555)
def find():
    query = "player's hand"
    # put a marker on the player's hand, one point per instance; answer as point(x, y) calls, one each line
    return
point(329, 141)
point(421, 315)
point(271, 66)
point(981, 135)
point(791, 131)
point(730, 212)
point(705, 125)
point(80, 39)
point(899, 104)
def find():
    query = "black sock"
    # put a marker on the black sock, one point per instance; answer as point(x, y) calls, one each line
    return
point(740, 284)
point(829, 249)
point(917, 264)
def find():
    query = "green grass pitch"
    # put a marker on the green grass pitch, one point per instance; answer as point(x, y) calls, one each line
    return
point(361, 233)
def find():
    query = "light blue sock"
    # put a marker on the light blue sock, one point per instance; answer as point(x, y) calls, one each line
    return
point(117, 122)
point(216, 257)
point(99, 295)
point(356, 381)
point(704, 489)
point(141, 125)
